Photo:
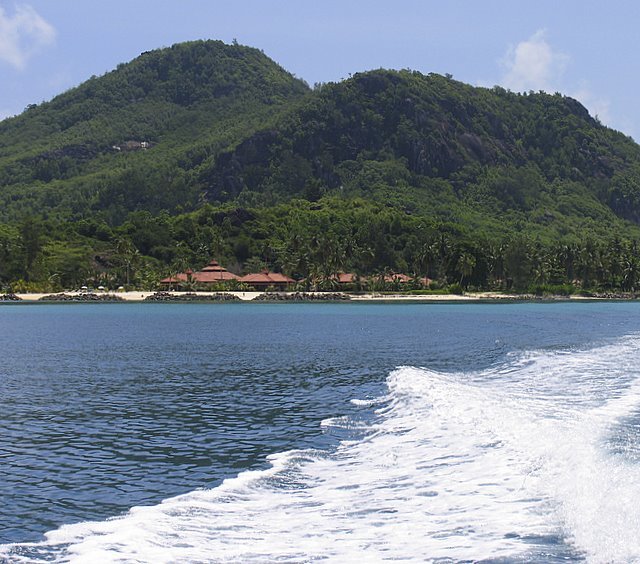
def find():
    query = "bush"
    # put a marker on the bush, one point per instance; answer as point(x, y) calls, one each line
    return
point(455, 288)
point(23, 287)
point(438, 292)
point(552, 289)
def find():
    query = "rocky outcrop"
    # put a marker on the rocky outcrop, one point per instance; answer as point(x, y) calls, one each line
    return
point(9, 298)
point(302, 297)
point(191, 297)
point(88, 297)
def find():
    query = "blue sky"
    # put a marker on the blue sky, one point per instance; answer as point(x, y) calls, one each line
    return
point(583, 48)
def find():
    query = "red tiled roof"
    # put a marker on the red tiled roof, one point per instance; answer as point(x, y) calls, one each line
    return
point(213, 266)
point(218, 276)
point(266, 277)
point(402, 278)
point(346, 277)
point(211, 273)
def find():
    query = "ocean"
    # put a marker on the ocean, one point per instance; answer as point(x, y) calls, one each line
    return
point(320, 432)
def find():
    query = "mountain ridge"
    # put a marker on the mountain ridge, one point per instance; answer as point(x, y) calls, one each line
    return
point(206, 149)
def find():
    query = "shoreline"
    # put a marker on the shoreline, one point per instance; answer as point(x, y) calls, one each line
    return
point(141, 296)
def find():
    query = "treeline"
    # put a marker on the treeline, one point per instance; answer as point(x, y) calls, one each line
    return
point(305, 240)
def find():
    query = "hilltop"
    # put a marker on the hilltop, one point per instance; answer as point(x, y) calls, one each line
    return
point(431, 142)
point(206, 149)
point(85, 150)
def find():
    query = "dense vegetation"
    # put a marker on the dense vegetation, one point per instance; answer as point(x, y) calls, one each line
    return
point(69, 158)
point(210, 150)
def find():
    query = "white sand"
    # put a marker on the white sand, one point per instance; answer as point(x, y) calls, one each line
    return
point(135, 296)
point(371, 297)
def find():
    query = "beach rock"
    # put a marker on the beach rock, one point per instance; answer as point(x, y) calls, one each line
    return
point(302, 297)
point(9, 298)
point(191, 297)
point(88, 297)
point(616, 295)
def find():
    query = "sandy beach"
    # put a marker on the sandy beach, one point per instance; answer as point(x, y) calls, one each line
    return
point(135, 296)
point(139, 296)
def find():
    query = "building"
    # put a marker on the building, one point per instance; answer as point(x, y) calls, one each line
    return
point(344, 278)
point(268, 280)
point(213, 273)
point(397, 278)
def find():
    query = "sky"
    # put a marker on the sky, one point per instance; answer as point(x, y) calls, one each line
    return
point(587, 49)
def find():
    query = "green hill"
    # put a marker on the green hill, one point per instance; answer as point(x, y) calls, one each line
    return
point(206, 149)
point(442, 148)
point(80, 153)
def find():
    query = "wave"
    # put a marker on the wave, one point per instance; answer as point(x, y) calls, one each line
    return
point(528, 461)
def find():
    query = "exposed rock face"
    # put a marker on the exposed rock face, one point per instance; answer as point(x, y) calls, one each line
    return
point(80, 152)
point(229, 178)
point(9, 298)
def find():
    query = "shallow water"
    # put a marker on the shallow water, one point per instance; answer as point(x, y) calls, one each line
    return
point(236, 432)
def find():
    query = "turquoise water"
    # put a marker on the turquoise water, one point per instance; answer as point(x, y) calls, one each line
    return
point(327, 431)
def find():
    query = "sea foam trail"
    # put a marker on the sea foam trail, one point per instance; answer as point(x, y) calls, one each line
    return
point(518, 462)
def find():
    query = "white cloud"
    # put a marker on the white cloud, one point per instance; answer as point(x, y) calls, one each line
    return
point(533, 65)
point(23, 34)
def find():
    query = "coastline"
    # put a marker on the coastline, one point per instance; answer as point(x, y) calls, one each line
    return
point(141, 296)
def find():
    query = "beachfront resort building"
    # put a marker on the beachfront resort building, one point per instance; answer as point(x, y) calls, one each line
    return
point(211, 274)
point(268, 280)
point(214, 273)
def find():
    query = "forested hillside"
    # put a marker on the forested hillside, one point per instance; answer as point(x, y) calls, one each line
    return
point(209, 150)
point(81, 153)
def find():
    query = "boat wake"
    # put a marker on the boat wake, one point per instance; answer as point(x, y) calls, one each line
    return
point(534, 460)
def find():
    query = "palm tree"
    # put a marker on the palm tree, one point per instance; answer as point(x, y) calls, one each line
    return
point(127, 256)
point(629, 273)
point(465, 265)
point(495, 264)
point(586, 263)
point(426, 256)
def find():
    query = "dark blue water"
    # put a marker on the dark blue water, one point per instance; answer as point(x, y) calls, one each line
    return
point(109, 406)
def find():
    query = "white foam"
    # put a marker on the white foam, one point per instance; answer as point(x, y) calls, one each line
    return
point(458, 466)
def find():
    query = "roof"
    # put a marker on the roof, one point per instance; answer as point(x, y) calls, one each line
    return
point(397, 277)
point(267, 277)
point(213, 266)
point(214, 276)
point(213, 272)
point(346, 277)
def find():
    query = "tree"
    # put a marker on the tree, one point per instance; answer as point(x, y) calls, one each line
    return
point(517, 263)
point(465, 265)
point(31, 235)
point(69, 264)
point(126, 257)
